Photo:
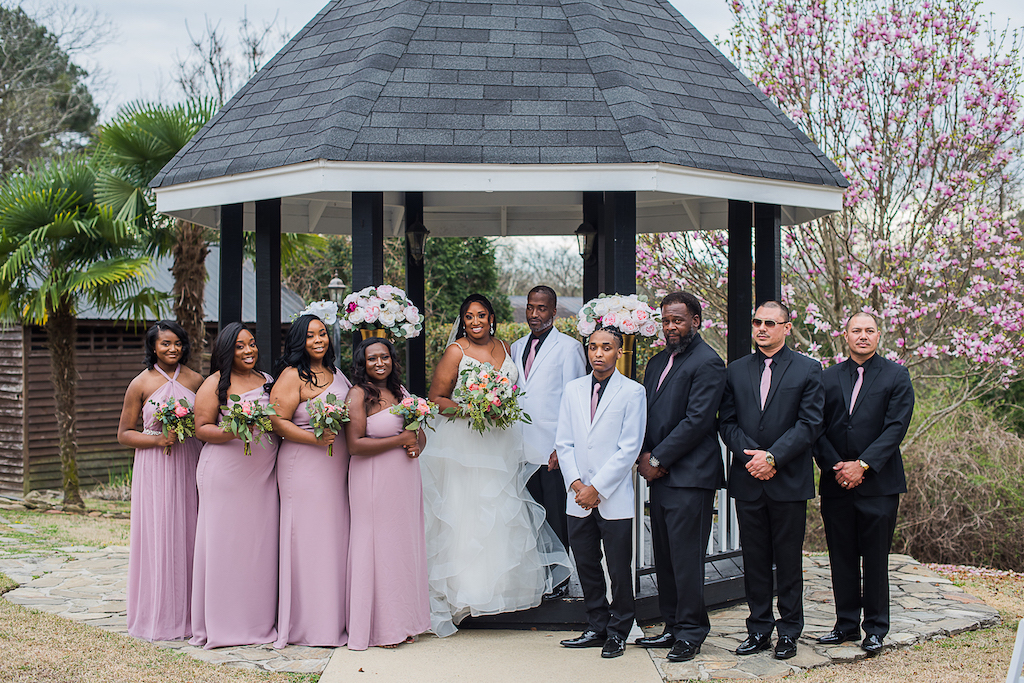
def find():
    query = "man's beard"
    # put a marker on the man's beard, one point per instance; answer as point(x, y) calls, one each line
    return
point(684, 342)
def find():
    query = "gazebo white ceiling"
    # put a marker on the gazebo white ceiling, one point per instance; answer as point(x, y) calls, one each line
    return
point(465, 199)
point(502, 112)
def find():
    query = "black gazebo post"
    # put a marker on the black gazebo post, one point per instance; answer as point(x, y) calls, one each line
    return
point(616, 244)
point(367, 243)
point(740, 286)
point(415, 289)
point(768, 252)
point(593, 208)
point(268, 281)
point(231, 250)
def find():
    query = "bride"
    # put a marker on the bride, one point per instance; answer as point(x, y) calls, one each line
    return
point(489, 549)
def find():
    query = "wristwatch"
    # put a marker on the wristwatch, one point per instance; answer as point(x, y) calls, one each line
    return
point(770, 459)
point(863, 464)
point(654, 462)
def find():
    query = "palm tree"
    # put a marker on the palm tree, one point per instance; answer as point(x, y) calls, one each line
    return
point(140, 141)
point(58, 251)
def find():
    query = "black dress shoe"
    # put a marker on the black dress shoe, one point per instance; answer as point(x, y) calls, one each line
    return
point(666, 639)
point(872, 644)
point(557, 593)
point(614, 646)
point(785, 648)
point(683, 651)
point(755, 642)
point(836, 637)
point(586, 639)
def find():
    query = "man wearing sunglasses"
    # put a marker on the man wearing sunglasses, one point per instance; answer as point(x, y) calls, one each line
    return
point(770, 417)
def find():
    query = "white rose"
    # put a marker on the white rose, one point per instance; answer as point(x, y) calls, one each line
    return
point(649, 328)
point(600, 308)
point(586, 328)
point(610, 320)
point(371, 313)
point(386, 318)
point(385, 291)
point(412, 314)
point(642, 315)
point(345, 324)
point(357, 317)
point(410, 330)
point(393, 307)
point(629, 326)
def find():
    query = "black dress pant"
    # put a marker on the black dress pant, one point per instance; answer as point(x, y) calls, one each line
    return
point(680, 526)
point(773, 532)
point(586, 535)
point(860, 528)
point(548, 489)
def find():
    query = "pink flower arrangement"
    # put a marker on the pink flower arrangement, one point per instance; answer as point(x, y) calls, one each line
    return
point(487, 398)
point(383, 307)
point(175, 416)
point(247, 420)
point(327, 415)
point(415, 412)
point(628, 314)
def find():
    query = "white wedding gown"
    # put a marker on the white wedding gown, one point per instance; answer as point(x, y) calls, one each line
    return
point(489, 549)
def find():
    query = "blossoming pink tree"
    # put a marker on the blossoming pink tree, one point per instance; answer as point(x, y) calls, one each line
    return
point(920, 108)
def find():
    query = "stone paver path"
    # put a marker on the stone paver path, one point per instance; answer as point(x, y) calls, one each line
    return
point(924, 606)
point(89, 585)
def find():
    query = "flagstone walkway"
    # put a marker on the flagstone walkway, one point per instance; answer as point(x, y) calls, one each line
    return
point(89, 585)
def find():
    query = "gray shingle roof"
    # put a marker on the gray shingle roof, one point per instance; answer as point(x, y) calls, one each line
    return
point(520, 81)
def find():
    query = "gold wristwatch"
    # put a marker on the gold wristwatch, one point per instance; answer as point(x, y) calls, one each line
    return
point(770, 459)
point(863, 464)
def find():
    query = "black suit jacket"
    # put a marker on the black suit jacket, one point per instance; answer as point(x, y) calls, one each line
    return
point(873, 433)
point(787, 427)
point(681, 416)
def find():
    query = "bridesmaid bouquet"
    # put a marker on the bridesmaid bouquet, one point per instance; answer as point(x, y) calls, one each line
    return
point(248, 420)
point(177, 417)
point(415, 412)
point(327, 415)
point(488, 398)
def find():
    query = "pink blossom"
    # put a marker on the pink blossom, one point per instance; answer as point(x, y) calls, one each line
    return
point(180, 410)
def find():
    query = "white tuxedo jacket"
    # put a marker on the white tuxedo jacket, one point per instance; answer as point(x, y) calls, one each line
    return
point(602, 453)
point(559, 360)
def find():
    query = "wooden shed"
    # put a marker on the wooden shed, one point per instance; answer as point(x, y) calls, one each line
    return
point(109, 354)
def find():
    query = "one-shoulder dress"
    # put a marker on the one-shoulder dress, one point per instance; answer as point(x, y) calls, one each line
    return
point(234, 582)
point(489, 549)
point(165, 504)
point(387, 552)
point(312, 606)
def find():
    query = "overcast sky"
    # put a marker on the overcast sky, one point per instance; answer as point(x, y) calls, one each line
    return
point(139, 62)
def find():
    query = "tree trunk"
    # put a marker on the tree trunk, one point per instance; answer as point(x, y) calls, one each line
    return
point(61, 332)
point(189, 271)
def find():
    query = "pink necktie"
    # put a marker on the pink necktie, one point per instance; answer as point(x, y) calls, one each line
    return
point(766, 380)
point(856, 387)
point(664, 373)
point(593, 401)
point(530, 357)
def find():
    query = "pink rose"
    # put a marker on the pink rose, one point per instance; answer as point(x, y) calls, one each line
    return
point(610, 320)
point(407, 401)
point(629, 326)
point(351, 306)
point(180, 410)
point(649, 328)
point(247, 407)
point(642, 315)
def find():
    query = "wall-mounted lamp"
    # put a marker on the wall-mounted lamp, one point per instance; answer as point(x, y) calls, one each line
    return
point(417, 235)
point(586, 236)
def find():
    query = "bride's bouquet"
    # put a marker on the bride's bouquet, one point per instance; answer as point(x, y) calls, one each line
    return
point(382, 307)
point(487, 398)
point(628, 314)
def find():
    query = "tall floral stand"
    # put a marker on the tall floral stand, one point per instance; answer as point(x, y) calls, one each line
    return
point(625, 364)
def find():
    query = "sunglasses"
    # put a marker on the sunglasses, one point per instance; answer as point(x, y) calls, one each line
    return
point(757, 322)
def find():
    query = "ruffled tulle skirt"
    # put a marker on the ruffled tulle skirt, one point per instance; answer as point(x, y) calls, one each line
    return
point(489, 549)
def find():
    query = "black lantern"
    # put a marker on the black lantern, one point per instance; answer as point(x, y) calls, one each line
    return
point(417, 236)
point(336, 289)
point(586, 236)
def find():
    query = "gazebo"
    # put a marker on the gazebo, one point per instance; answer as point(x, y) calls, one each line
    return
point(522, 117)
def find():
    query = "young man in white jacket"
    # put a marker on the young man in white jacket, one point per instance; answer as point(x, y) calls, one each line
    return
point(601, 425)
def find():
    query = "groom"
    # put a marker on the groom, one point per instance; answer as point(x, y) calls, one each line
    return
point(547, 360)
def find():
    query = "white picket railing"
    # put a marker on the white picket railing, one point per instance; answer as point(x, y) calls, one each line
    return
point(1017, 659)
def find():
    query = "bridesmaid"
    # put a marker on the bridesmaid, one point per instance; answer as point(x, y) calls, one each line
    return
point(234, 591)
point(164, 499)
point(388, 602)
point(312, 607)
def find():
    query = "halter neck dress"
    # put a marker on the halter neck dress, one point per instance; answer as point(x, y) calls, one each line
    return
point(489, 548)
point(312, 605)
point(234, 582)
point(165, 504)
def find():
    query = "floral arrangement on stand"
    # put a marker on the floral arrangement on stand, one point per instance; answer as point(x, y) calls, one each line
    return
point(176, 416)
point(325, 310)
point(629, 314)
point(381, 307)
point(248, 420)
point(487, 398)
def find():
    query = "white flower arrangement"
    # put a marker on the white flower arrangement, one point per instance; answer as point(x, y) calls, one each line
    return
point(383, 307)
point(325, 310)
point(629, 314)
